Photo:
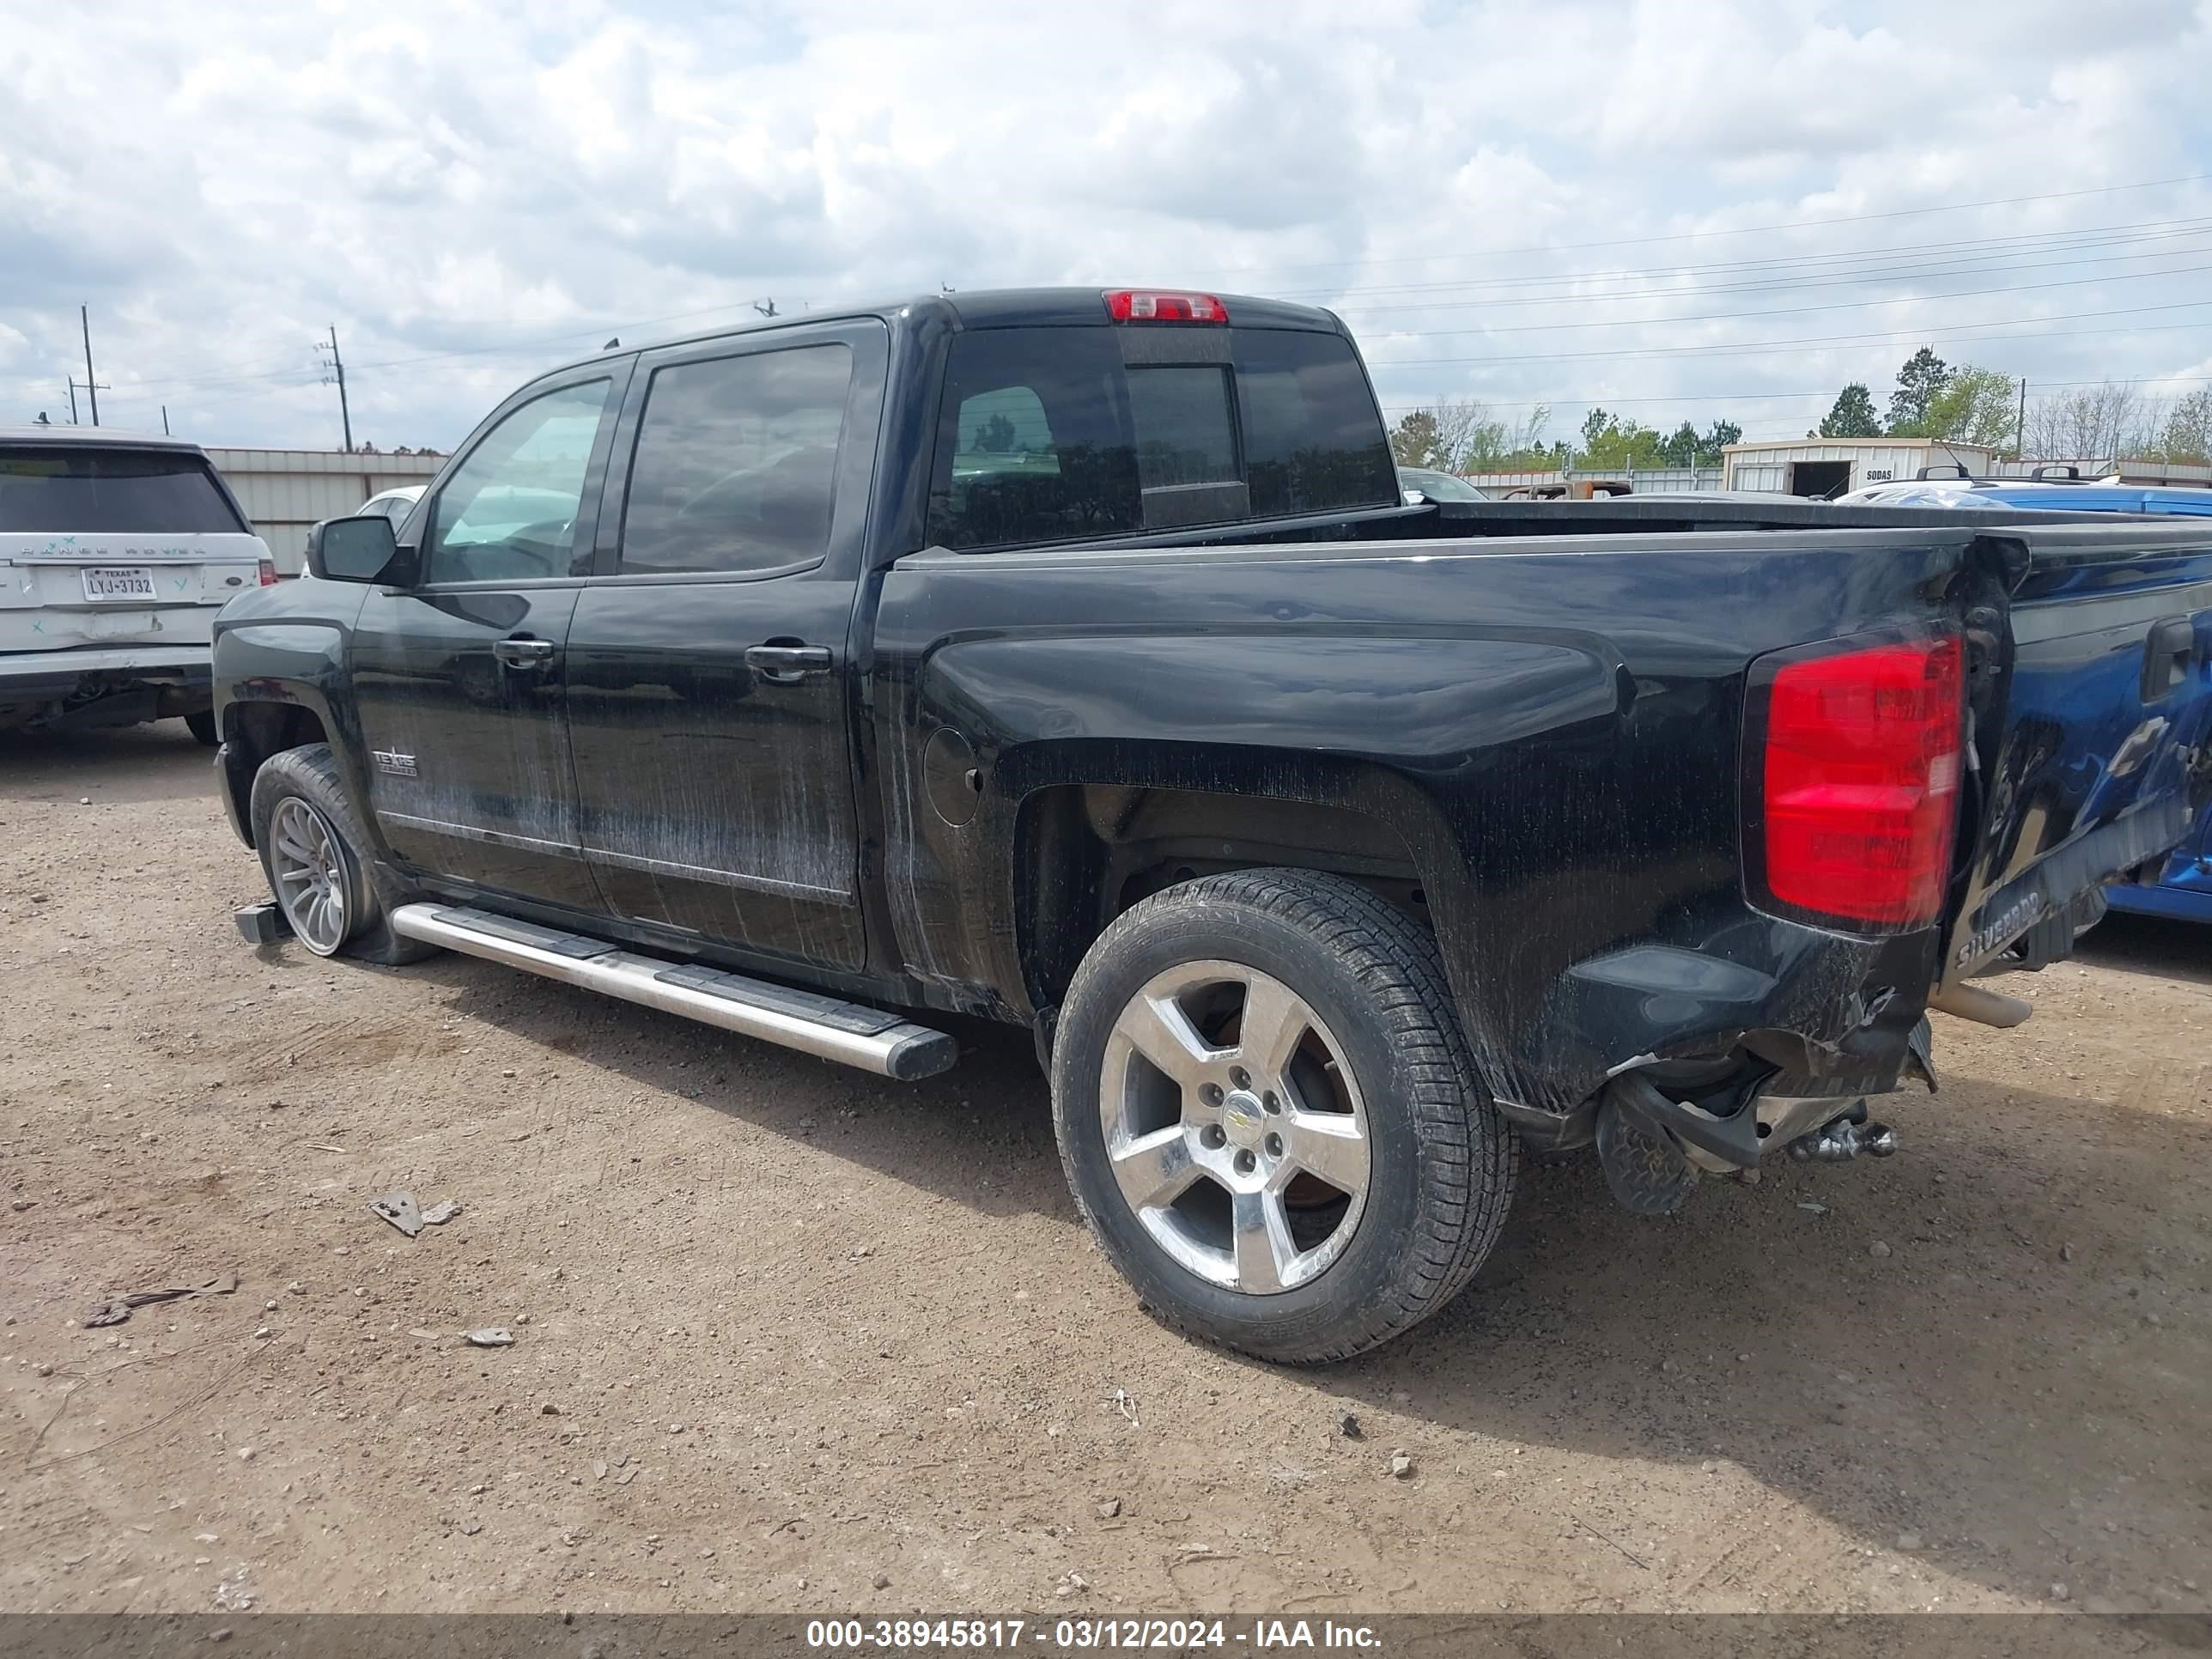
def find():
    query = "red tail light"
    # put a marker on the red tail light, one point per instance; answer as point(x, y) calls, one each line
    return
point(1152, 305)
point(269, 573)
point(1859, 783)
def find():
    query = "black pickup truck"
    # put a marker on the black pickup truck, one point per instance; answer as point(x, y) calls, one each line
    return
point(1073, 659)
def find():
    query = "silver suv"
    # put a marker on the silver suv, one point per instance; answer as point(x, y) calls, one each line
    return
point(116, 552)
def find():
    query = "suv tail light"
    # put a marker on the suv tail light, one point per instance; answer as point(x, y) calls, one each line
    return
point(1858, 752)
point(269, 573)
point(1153, 305)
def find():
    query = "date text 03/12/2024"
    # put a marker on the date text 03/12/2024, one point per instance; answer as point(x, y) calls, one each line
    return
point(1084, 1635)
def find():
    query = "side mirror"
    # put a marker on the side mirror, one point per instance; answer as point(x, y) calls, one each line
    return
point(360, 549)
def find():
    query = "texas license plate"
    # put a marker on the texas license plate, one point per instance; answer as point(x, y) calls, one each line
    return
point(119, 582)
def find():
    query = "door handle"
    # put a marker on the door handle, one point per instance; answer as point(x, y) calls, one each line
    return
point(785, 662)
point(523, 652)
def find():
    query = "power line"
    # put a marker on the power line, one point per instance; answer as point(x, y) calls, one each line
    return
point(1800, 310)
point(1779, 264)
point(1739, 230)
point(2053, 240)
point(516, 348)
point(1824, 396)
point(1754, 348)
point(1991, 247)
point(1929, 331)
point(2028, 241)
point(1902, 273)
point(2049, 241)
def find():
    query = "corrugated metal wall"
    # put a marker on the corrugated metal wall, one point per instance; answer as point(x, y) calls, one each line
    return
point(1497, 485)
point(286, 491)
point(1767, 466)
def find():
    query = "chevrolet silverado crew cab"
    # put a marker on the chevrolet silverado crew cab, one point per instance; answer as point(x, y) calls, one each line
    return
point(116, 552)
point(1071, 658)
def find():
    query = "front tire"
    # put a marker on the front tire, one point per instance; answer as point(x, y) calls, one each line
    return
point(317, 857)
point(1270, 1117)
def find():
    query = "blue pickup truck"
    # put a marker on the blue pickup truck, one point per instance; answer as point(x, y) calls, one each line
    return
point(2180, 883)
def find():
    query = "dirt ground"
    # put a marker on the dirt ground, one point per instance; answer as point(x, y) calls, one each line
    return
point(790, 1338)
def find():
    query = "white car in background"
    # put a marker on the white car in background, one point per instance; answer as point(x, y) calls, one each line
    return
point(393, 504)
point(116, 550)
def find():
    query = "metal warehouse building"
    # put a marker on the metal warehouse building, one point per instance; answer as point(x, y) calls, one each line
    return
point(286, 491)
point(1829, 466)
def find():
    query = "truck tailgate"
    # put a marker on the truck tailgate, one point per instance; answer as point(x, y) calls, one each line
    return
point(2103, 751)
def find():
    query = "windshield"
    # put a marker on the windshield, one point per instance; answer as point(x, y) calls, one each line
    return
point(1438, 486)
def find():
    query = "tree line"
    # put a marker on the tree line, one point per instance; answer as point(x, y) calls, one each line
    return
point(1967, 404)
point(1976, 405)
point(1465, 436)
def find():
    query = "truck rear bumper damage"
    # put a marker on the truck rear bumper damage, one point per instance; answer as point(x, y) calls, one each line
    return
point(1729, 1059)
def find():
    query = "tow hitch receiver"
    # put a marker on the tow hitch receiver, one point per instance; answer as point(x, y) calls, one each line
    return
point(1653, 1148)
point(1844, 1140)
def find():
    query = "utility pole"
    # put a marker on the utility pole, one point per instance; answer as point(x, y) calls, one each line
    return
point(165, 420)
point(2019, 434)
point(337, 373)
point(72, 387)
point(77, 387)
point(84, 317)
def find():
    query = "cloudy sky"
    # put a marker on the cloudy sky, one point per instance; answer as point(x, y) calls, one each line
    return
point(1679, 210)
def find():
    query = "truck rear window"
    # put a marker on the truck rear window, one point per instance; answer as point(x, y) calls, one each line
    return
point(81, 489)
point(1046, 436)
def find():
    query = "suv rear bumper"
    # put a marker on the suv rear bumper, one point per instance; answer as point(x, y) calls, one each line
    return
point(26, 675)
point(104, 686)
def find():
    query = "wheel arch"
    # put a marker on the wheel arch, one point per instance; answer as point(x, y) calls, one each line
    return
point(251, 732)
point(279, 684)
point(1088, 839)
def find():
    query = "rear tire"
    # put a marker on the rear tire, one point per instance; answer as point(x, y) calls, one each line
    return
point(1234, 1057)
point(202, 725)
point(313, 849)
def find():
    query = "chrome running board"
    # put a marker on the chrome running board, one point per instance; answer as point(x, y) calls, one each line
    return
point(814, 1024)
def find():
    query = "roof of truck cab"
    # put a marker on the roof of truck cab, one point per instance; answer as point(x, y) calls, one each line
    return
point(116, 435)
point(1050, 307)
point(1003, 308)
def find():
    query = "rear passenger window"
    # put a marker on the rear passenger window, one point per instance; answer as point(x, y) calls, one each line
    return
point(1046, 437)
point(736, 461)
point(1312, 441)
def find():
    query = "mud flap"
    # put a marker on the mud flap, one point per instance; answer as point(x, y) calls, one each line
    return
point(1920, 1052)
point(1643, 1165)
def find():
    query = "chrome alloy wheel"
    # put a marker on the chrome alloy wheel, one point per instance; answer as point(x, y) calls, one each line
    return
point(310, 875)
point(1235, 1131)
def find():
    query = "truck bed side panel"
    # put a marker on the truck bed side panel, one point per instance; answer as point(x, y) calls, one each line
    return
point(1552, 732)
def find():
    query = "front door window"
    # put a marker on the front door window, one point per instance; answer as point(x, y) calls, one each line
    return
point(509, 512)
